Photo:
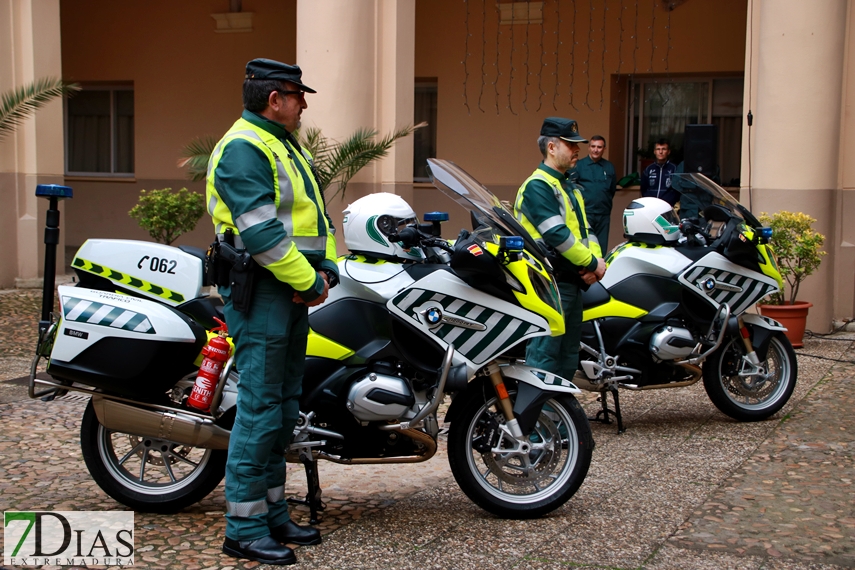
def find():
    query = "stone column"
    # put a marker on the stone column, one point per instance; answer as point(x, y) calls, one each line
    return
point(798, 71)
point(359, 55)
point(842, 241)
point(34, 154)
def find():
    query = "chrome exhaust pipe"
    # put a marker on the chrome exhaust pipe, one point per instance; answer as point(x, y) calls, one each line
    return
point(170, 426)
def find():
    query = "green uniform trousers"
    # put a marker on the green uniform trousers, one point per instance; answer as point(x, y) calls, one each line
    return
point(270, 354)
point(560, 354)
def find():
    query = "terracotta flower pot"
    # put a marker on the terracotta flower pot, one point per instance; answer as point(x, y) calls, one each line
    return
point(792, 316)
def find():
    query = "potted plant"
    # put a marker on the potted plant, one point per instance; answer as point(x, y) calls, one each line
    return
point(797, 248)
point(165, 214)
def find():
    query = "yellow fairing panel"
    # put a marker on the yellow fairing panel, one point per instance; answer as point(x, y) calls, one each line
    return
point(325, 348)
point(770, 266)
point(613, 308)
point(529, 300)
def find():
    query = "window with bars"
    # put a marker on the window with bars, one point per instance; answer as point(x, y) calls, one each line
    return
point(661, 107)
point(100, 132)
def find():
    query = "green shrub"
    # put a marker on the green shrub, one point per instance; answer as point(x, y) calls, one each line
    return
point(796, 247)
point(165, 214)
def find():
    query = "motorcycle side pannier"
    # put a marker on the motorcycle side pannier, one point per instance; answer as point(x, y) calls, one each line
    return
point(122, 344)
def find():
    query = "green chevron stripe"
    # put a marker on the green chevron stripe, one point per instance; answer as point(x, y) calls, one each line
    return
point(109, 318)
point(129, 280)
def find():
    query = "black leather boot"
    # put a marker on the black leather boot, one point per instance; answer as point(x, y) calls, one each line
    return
point(292, 533)
point(266, 550)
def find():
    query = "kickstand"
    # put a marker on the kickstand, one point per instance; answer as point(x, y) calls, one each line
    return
point(313, 496)
point(605, 411)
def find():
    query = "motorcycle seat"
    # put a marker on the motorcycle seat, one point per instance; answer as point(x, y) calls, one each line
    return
point(595, 296)
point(203, 310)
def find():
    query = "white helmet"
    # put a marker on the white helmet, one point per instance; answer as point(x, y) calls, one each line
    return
point(368, 221)
point(651, 221)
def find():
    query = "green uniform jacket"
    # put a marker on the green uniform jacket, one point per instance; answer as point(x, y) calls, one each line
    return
point(555, 216)
point(599, 183)
point(260, 185)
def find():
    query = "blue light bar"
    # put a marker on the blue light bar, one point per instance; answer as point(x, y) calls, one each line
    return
point(436, 217)
point(51, 190)
point(766, 233)
point(512, 243)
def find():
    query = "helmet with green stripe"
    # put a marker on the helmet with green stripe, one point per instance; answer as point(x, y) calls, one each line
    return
point(651, 221)
point(369, 221)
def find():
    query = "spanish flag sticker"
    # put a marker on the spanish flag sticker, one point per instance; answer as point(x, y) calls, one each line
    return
point(474, 249)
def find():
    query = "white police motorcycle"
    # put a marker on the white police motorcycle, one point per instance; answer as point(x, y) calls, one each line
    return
point(412, 320)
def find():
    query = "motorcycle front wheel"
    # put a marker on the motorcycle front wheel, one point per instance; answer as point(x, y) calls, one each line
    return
point(747, 396)
point(146, 474)
point(517, 481)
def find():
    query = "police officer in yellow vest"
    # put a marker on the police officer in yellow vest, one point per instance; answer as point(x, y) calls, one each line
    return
point(263, 197)
point(552, 210)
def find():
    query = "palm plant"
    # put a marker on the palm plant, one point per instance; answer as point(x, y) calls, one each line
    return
point(20, 103)
point(338, 162)
point(195, 157)
point(335, 162)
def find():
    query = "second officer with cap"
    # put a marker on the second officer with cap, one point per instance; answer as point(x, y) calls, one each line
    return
point(553, 212)
point(263, 198)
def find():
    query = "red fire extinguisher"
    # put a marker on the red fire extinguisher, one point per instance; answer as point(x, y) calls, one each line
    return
point(215, 353)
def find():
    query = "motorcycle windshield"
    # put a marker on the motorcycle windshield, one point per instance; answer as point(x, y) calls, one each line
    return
point(711, 193)
point(473, 196)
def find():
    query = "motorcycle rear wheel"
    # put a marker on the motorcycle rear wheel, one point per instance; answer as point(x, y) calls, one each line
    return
point(146, 474)
point(751, 398)
point(521, 486)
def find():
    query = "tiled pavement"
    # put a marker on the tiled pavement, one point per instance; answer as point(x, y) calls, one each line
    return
point(684, 487)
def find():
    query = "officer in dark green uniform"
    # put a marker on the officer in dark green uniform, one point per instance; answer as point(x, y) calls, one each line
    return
point(597, 177)
point(554, 215)
point(263, 198)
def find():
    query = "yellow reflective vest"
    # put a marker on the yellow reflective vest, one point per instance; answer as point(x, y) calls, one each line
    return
point(546, 210)
point(261, 186)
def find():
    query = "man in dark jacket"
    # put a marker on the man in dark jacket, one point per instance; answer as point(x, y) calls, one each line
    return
point(656, 178)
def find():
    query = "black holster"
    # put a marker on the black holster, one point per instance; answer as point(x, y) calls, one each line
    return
point(234, 268)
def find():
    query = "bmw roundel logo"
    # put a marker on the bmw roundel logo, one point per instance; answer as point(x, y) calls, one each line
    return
point(433, 315)
point(709, 284)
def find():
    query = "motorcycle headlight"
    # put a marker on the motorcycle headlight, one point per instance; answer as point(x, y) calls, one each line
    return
point(513, 281)
point(545, 289)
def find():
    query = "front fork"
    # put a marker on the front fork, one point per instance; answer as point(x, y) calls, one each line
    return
point(750, 357)
point(504, 400)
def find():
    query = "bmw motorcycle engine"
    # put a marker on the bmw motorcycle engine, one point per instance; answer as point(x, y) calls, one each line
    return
point(379, 397)
point(672, 343)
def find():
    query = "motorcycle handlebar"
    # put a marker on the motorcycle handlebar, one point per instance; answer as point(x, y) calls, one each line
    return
point(411, 236)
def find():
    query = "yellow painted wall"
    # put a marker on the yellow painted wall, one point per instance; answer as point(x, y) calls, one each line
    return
point(187, 83)
point(187, 80)
point(500, 149)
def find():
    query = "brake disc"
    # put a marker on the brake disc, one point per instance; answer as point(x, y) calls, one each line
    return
point(755, 386)
point(511, 468)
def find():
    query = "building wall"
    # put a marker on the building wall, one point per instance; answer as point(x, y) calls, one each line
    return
point(32, 155)
point(842, 240)
point(187, 83)
point(499, 148)
point(793, 39)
